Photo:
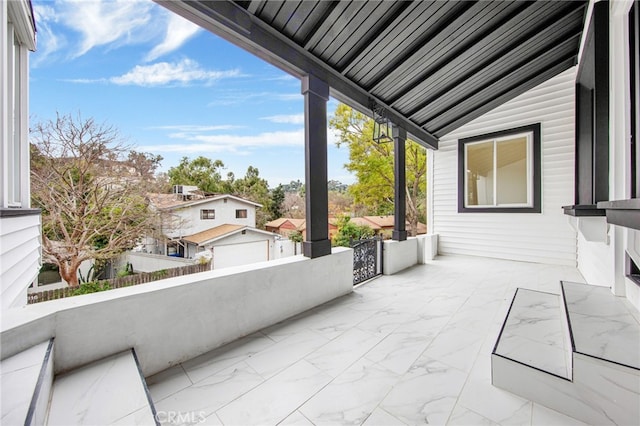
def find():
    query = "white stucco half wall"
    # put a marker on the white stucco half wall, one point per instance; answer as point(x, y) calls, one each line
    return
point(173, 320)
point(399, 255)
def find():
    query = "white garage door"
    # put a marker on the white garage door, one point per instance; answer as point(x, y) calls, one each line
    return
point(240, 254)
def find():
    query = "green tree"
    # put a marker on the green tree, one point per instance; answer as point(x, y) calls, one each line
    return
point(277, 198)
point(254, 188)
point(201, 172)
point(296, 237)
point(372, 164)
point(348, 231)
point(294, 186)
point(93, 201)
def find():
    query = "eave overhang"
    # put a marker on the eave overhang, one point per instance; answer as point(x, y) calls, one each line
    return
point(433, 66)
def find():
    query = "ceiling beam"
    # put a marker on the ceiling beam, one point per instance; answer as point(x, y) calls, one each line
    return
point(236, 25)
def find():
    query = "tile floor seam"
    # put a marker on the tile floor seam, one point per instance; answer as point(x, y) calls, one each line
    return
point(476, 413)
point(186, 374)
point(466, 380)
point(378, 405)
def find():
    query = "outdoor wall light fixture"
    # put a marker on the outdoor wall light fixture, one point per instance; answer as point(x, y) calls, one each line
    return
point(381, 124)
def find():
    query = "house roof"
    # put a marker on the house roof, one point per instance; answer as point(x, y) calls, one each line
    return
point(429, 66)
point(277, 223)
point(220, 232)
point(361, 221)
point(171, 201)
point(381, 221)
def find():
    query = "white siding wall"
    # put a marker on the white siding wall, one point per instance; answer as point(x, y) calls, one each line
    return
point(225, 214)
point(545, 237)
point(19, 258)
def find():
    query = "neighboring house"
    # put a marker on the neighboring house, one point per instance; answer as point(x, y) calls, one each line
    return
point(19, 224)
point(220, 223)
point(383, 225)
point(232, 245)
point(193, 212)
point(286, 226)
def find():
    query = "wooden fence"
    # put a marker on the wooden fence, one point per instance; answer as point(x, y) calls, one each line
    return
point(129, 280)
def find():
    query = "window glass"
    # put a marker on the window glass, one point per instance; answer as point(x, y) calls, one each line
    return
point(480, 174)
point(500, 171)
point(241, 214)
point(511, 171)
point(207, 214)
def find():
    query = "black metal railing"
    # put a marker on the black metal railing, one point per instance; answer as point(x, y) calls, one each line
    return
point(367, 259)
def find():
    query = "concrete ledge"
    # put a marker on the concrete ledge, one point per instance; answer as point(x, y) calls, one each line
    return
point(177, 319)
point(399, 255)
point(427, 247)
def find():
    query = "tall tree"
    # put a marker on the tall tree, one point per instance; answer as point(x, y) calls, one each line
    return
point(92, 199)
point(277, 199)
point(372, 164)
point(201, 172)
point(254, 188)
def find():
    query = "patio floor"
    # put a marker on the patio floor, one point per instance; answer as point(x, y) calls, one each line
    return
point(411, 348)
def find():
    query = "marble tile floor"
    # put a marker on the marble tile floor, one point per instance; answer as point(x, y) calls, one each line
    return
point(534, 332)
point(602, 326)
point(411, 348)
point(109, 391)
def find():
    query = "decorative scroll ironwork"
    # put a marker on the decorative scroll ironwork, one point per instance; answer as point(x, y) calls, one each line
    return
point(367, 259)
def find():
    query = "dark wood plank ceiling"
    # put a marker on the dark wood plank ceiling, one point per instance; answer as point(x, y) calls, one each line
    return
point(437, 64)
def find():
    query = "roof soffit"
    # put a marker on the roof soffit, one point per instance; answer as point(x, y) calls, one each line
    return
point(433, 65)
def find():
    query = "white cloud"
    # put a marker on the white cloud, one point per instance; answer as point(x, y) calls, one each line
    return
point(101, 22)
point(165, 73)
point(199, 143)
point(178, 32)
point(266, 139)
point(287, 119)
point(237, 97)
point(49, 41)
point(197, 128)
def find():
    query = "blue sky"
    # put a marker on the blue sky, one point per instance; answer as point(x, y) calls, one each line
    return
point(170, 88)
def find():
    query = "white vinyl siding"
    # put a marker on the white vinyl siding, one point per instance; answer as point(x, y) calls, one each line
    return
point(544, 237)
point(19, 257)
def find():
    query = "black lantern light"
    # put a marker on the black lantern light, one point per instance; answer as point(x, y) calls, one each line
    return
point(381, 124)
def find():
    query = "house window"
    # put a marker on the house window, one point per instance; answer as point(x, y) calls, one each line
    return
point(500, 172)
point(207, 214)
point(241, 213)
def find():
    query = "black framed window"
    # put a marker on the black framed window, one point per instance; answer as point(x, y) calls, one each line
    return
point(207, 214)
point(500, 172)
point(241, 214)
